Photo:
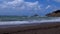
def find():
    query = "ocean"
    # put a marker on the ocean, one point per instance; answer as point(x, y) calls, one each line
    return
point(31, 20)
point(28, 21)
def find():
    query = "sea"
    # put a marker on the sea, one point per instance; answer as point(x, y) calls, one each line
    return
point(31, 20)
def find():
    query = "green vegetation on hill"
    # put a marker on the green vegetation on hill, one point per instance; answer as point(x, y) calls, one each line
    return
point(54, 14)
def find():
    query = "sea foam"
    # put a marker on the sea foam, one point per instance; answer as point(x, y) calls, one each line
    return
point(29, 21)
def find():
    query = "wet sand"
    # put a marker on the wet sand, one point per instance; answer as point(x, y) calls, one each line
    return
point(39, 28)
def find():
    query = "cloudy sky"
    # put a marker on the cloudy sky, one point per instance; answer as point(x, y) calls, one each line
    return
point(28, 7)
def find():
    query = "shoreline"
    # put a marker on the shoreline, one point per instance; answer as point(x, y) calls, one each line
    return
point(41, 26)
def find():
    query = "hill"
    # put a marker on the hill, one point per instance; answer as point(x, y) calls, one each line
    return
point(54, 14)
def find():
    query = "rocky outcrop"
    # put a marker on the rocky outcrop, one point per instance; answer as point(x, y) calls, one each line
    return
point(54, 14)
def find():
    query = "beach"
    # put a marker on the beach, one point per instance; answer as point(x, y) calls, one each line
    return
point(38, 28)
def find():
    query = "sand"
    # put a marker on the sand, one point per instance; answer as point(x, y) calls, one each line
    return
point(43, 28)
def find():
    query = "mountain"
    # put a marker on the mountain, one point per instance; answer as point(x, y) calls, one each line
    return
point(54, 14)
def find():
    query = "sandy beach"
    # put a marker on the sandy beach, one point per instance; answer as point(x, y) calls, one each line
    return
point(43, 28)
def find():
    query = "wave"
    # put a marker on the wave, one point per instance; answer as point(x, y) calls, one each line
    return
point(30, 21)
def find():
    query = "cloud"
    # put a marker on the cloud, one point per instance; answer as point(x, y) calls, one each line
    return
point(48, 6)
point(57, 0)
point(20, 5)
point(54, 0)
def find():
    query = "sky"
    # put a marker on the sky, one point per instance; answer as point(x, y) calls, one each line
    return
point(28, 7)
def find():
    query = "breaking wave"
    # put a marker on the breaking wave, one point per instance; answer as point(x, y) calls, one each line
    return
point(30, 21)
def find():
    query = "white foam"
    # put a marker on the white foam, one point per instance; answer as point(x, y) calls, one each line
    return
point(52, 20)
point(29, 22)
point(13, 22)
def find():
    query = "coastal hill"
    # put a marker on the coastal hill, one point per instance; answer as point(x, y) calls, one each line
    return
point(54, 14)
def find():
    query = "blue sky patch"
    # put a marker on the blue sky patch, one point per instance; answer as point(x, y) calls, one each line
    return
point(28, 7)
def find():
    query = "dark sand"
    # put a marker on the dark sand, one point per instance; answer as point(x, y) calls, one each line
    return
point(44, 28)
